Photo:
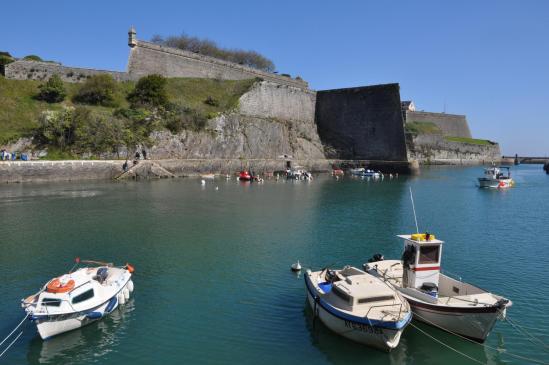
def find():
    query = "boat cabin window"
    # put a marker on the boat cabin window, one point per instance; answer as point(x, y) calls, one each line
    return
point(82, 297)
point(341, 294)
point(51, 302)
point(375, 299)
point(428, 254)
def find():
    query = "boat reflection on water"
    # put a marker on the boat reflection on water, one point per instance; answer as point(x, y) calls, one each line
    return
point(93, 341)
point(413, 345)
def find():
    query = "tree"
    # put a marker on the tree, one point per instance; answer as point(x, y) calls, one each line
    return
point(53, 91)
point(150, 91)
point(98, 90)
point(32, 57)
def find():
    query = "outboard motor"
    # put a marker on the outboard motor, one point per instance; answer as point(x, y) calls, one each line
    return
point(430, 288)
point(101, 275)
point(377, 257)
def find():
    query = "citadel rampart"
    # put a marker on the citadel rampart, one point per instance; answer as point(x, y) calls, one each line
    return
point(41, 71)
point(452, 125)
point(362, 123)
point(148, 58)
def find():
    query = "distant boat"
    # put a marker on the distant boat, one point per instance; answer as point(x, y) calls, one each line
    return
point(245, 176)
point(361, 171)
point(358, 306)
point(495, 178)
point(208, 176)
point(437, 299)
point(337, 172)
point(78, 298)
point(298, 173)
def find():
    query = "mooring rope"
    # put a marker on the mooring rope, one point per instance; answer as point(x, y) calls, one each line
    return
point(15, 329)
point(532, 338)
point(12, 342)
point(446, 345)
point(481, 344)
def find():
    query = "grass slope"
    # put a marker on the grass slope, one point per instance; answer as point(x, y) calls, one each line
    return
point(469, 140)
point(19, 110)
point(416, 128)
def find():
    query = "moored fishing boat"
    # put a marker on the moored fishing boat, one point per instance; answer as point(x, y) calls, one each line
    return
point(361, 171)
point(358, 306)
point(78, 298)
point(495, 178)
point(437, 299)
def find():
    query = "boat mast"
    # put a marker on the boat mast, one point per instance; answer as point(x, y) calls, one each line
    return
point(414, 209)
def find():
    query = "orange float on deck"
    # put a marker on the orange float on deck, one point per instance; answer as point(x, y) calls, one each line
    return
point(56, 286)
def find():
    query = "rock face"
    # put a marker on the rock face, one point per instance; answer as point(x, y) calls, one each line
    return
point(272, 120)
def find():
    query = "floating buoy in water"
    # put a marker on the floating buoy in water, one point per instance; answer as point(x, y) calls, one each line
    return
point(296, 266)
point(217, 188)
point(203, 182)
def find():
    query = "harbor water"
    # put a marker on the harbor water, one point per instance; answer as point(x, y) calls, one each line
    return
point(212, 266)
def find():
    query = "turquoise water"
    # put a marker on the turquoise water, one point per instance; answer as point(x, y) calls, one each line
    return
point(212, 276)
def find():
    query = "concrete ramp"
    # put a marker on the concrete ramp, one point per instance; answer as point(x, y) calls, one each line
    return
point(145, 170)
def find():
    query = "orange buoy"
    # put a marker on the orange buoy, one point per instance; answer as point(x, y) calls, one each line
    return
point(129, 268)
point(56, 286)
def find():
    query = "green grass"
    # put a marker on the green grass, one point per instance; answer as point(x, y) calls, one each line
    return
point(469, 140)
point(19, 110)
point(416, 128)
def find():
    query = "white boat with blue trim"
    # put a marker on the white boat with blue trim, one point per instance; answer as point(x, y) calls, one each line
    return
point(78, 298)
point(358, 306)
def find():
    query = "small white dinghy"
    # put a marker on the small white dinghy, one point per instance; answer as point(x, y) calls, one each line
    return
point(438, 299)
point(78, 298)
point(358, 306)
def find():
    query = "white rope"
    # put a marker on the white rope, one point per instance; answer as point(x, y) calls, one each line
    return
point(15, 329)
point(532, 339)
point(12, 342)
point(446, 345)
point(480, 344)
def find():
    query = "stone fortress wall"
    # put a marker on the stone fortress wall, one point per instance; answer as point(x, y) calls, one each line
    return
point(41, 71)
point(362, 123)
point(147, 58)
point(451, 125)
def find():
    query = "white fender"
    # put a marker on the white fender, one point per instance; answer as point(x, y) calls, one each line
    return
point(130, 286)
point(121, 299)
point(126, 293)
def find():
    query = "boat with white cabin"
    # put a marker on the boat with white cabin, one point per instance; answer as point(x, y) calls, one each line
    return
point(495, 177)
point(358, 306)
point(437, 299)
point(78, 298)
point(361, 171)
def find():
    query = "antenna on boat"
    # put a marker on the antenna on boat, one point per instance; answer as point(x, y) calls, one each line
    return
point(414, 209)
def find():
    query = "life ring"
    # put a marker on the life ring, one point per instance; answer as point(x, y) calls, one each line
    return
point(56, 286)
point(501, 184)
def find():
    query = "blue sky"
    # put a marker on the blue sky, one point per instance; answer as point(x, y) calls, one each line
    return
point(486, 59)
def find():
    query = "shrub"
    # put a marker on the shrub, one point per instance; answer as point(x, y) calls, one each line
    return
point(150, 91)
point(33, 57)
point(97, 90)
point(209, 48)
point(182, 118)
point(52, 91)
point(211, 101)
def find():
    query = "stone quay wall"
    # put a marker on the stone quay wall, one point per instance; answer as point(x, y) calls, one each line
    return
point(41, 71)
point(148, 58)
point(452, 125)
point(50, 171)
point(434, 149)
